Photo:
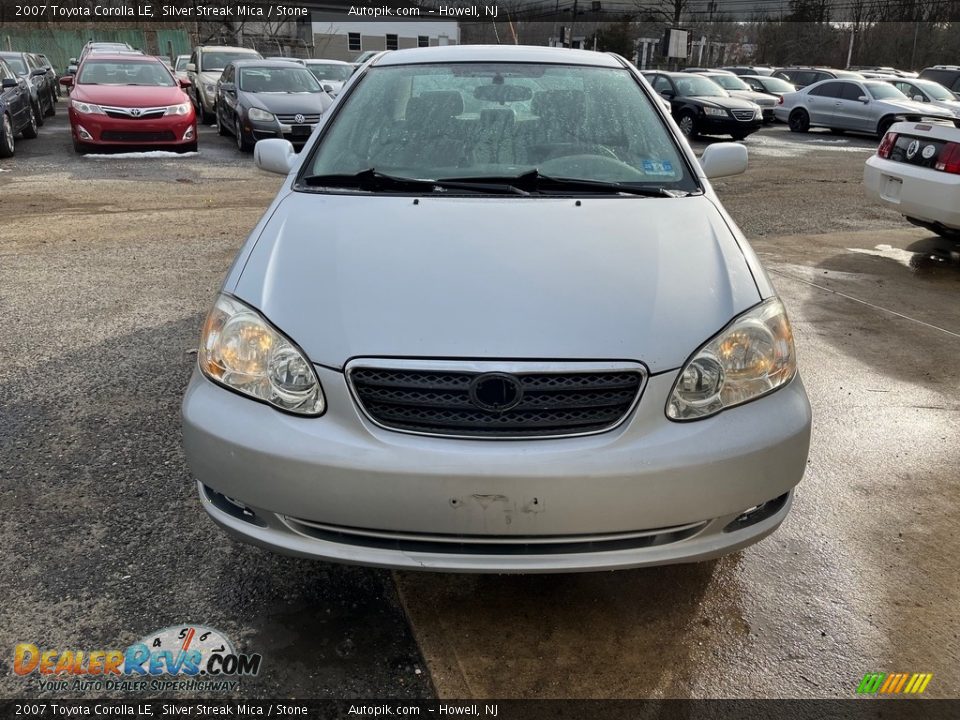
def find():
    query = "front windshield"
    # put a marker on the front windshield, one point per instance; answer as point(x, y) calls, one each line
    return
point(776, 85)
point(883, 91)
point(729, 82)
point(934, 90)
point(278, 80)
point(216, 60)
point(694, 86)
point(121, 72)
point(337, 73)
point(501, 120)
point(18, 65)
point(182, 62)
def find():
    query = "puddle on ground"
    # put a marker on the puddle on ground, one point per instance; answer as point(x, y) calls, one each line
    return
point(922, 257)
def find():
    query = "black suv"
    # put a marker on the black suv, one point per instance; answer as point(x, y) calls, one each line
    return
point(800, 77)
point(16, 111)
point(946, 75)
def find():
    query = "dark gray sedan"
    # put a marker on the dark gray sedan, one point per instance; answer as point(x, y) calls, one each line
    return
point(258, 99)
point(43, 94)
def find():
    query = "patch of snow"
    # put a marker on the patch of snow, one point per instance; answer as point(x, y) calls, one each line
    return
point(903, 257)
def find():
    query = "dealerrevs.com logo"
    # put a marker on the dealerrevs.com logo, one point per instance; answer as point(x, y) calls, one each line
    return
point(180, 657)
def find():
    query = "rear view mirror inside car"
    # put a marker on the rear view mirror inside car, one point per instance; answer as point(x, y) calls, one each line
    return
point(502, 93)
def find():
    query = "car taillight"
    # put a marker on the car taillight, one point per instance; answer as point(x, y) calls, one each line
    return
point(949, 159)
point(780, 100)
point(886, 145)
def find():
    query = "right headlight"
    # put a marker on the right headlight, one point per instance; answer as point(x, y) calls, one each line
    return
point(260, 115)
point(240, 350)
point(87, 108)
point(715, 112)
point(752, 356)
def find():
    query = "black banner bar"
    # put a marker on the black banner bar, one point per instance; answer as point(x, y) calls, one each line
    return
point(900, 708)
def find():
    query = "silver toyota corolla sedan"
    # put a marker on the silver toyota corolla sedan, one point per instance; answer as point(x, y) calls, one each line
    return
point(497, 320)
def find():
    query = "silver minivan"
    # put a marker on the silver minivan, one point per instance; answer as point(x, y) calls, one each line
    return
point(497, 320)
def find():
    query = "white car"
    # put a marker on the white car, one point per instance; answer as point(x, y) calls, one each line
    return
point(916, 171)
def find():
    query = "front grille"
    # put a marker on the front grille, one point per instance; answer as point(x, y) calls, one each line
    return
point(493, 544)
point(134, 113)
point(137, 136)
point(450, 401)
point(743, 114)
point(292, 119)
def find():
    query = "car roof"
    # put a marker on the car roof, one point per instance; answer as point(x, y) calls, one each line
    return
point(122, 56)
point(232, 48)
point(496, 53)
point(320, 61)
point(255, 62)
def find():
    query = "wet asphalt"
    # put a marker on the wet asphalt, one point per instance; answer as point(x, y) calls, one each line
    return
point(106, 268)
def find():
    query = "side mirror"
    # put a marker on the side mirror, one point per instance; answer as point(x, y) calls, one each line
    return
point(73, 61)
point(9, 83)
point(228, 86)
point(327, 88)
point(864, 99)
point(919, 98)
point(38, 71)
point(66, 80)
point(724, 159)
point(72, 70)
point(191, 67)
point(274, 155)
point(184, 83)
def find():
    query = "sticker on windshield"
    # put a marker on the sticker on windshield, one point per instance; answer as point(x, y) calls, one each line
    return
point(655, 167)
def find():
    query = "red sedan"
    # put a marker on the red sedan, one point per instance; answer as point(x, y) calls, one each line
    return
point(129, 101)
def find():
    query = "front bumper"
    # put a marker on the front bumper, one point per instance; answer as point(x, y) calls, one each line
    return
point(916, 192)
point(175, 130)
point(728, 126)
point(650, 492)
point(296, 134)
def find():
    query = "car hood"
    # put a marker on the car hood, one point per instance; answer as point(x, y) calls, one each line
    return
point(912, 106)
point(128, 95)
point(646, 279)
point(951, 105)
point(210, 77)
point(730, 103)
point(755, 97)
point(286, 103)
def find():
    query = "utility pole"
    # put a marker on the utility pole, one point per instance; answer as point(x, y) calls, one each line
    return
point(573, 22)
point(853, 31)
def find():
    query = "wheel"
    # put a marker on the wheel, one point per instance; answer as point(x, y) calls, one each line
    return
point(204, 117)
point(688, 124)
point(837, 131)
point(243, 145)
point(52, 110)
point(30, 131)
point(799, 121)
point(38, 114)
point(6, 137)
point(221, 130)
point(884, 125)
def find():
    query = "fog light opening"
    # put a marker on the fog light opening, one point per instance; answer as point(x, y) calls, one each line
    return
point(188, 135)
point(233, 507)
point(84, 135)
point(757, 513)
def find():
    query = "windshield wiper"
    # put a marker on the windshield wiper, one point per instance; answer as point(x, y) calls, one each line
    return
point(375, 181)
point(536, 182)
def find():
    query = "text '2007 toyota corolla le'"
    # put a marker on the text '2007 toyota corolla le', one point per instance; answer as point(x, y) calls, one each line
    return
point(496, 320)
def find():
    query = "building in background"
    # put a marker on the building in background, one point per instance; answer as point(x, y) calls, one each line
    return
point(338, 40)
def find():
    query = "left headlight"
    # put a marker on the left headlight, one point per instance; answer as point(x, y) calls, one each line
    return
point(715, 112)
point(211, 89)
point(260, 115)
point(240, 350)
point(182, 109)
point(752, 356)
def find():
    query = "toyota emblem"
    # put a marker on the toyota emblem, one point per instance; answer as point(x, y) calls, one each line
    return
point(299, 118)
point(135, 112)
point(496, 392)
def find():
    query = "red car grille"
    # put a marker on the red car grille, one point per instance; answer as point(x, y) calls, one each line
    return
point(137, 136)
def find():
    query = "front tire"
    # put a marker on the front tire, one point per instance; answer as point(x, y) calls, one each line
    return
point(688, 124)
point(6, 137)
point(799, 121)
point(243, 145)
point(30, 131)
point(884, 125)
point(52, 110)
point(38, 114)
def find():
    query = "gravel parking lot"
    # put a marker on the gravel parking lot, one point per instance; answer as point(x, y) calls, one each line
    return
point(107, 265)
